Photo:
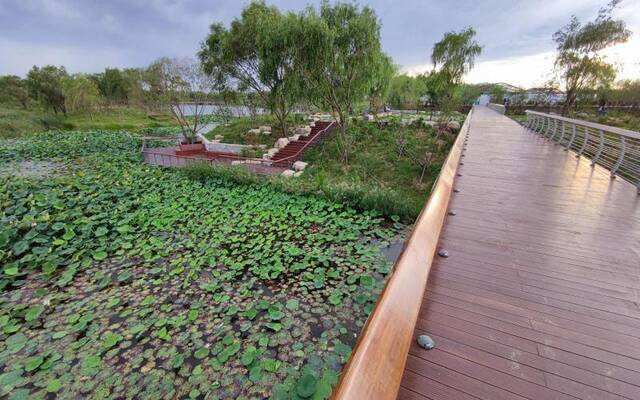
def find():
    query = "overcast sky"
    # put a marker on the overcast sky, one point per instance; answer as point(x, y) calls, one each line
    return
point(89, 35)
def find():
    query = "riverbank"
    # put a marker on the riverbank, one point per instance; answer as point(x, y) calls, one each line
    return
point(17, 122)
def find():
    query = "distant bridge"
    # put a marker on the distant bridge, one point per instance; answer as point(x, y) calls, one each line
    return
point(524, 267)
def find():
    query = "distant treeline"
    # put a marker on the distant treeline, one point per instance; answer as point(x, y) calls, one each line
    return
point(413, 92)
point(54, 89)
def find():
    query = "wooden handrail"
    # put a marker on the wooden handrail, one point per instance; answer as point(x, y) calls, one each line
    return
point(376, 365)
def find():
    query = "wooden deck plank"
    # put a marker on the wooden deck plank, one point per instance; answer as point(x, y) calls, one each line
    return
point(540, 296)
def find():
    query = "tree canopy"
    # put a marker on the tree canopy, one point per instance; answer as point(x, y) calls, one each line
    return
point(381, 82)
point(257, 51)
point(455, 54)
point(13, 90)
point(340, 60)
point(452, 58)
point(579, 63)
point(45, 85)
point(338, 51)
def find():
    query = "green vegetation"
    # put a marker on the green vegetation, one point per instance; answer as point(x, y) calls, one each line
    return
point(579, 63)
point(122, 280)
point(339, 58)
point(257, 50)
point(386, 163)
point(392, 167)
point(235, 131)
point(16, 122)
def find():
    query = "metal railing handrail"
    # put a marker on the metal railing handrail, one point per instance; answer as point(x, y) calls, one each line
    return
point(613, 148)
point(594, 125)
point(376, 365)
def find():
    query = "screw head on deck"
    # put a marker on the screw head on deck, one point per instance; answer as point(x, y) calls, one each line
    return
point(443, 253)
point(426, 342)
point(452, 212)
point(456, 190)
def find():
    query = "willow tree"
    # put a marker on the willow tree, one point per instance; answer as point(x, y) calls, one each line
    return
point(579, 62)
point(452, 58)
point(257, 51)
point(406, 91)
point(455, 55)
point(381, 82)
point(337, 46)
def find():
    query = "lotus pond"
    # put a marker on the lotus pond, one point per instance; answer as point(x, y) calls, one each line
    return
point(125, 281)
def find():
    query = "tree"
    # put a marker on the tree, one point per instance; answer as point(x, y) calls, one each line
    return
point(455, 55)
point(579, 63)
point(626, 93)
point(336, 49)
point(405, 91)
point(113, 85)
point(154, 83)
point(187, 89)
point(13, 90)
point(470, 93)
point(258, 52)
point(45, 85)
point(497, 93)
point(80, 93)
point(452, 58)
point(381, 84)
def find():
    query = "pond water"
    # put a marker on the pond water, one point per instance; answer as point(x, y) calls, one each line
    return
point(234, 111)
point(125, 281)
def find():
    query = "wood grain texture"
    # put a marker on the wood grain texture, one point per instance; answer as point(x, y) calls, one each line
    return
point(376, 366)
point(539, 297)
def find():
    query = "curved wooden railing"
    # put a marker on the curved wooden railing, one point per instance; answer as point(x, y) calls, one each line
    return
point(615, 149)
point(375, 368)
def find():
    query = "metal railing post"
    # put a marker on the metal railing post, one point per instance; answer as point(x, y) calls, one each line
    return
point(615, 168)
point(542, 124)
point(584, 143)
point(547, 133)
point(534, 122)
point(600, 148)
point(555, 130)
point(598, 143)
point(561, 134)
point(573, 136)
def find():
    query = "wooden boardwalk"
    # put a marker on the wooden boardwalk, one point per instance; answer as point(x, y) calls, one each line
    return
point(539, 297)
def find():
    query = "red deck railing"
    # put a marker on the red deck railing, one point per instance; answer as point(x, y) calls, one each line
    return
point(168, 159)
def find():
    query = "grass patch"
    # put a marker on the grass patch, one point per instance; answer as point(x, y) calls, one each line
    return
point(17, 122)
point(376, 177)
point(236, 130)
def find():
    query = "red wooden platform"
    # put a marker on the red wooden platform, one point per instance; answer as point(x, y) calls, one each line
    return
point(539, 297)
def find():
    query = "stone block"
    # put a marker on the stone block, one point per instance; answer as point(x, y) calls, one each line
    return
point(299, 165)
point(282, 142)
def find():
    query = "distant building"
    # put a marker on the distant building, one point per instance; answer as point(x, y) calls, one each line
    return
point(544, 96)
point(516, 95)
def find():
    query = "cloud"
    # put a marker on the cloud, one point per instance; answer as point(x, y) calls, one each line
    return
point(88, 35)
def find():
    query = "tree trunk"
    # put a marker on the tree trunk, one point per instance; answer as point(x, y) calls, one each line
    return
point(568, 102)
